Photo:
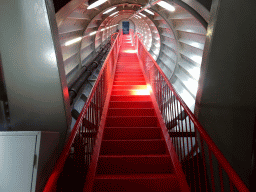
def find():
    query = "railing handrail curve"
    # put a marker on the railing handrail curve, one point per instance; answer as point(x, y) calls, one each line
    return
point(51, 183)
point(220, 157)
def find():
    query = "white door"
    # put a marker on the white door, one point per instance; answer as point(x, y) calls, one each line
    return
point(16, 163)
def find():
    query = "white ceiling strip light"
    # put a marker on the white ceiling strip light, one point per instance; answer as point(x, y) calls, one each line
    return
point(96, 4)
point(113, 13)
point(150, 12)
point(73, 41)
point(142, 15)
point(166, 6)
point(93, 33)
point(109, 10)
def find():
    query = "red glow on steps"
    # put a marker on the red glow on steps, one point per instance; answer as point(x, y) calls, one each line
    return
point(133, 155)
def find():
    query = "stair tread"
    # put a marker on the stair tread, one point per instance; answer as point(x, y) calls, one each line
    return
point(136, 156)
point(133, 153)
point(133, 140)
point(135, 176)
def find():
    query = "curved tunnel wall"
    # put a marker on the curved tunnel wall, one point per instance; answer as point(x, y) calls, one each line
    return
point(174, 39)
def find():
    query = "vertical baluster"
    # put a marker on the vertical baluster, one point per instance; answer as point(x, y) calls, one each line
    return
point(192, 154)
point(204, 164)
point(197, 160)
point(177, 128)
point(188, 154)
point(221, 178)
point(211, 170)
point(182, 138)
point(231, 186)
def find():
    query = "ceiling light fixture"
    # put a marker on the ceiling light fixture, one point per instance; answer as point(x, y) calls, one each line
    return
point(142, 15)
point(73, 41)
point(96, 4)
point(113, 13)
point(150, 12)
point(166, 6)
point(93, 33)
point(109, 10)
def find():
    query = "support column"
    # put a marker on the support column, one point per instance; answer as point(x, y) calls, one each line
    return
point(33, 68)
point(226, 98)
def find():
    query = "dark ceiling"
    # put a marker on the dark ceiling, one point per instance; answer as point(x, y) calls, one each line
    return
point(58, 4)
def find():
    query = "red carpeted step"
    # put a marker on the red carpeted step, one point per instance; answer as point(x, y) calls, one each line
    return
point(109, 164)
point(130, 104)
point(129, 92)
point(129, 75)
point(129, 82)
point(130, 98)
point(129, 78)
point(133, 147)
point(131, 112)
point(118, 121)
point(130, 133)
point(136, 182)
point(121, 87)
point(124, 72)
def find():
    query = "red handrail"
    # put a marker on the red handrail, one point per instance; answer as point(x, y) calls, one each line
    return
point(163, 89)
point(97, 95)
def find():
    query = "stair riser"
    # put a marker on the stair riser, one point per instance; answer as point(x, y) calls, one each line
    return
point(116, 87)
point(135, 164)
point(129, 105)
point(135, 147)
point(131, 122)
point(131, 112)
point(129, 78)
point(130, 92)
point(148, 185)
point(131, 133)
point(130, 98)
point(129, 83)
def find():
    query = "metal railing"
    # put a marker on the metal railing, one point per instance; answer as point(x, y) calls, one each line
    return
point(84, 133)
point(204, 165)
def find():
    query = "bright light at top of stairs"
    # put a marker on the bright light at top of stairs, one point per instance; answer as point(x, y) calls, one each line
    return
point(130, 51)
point(150, 12)
point(96, 4)
point(166, 6)
point(73, 41)
point(109, 10)
point(149, 88)
point(140, 92)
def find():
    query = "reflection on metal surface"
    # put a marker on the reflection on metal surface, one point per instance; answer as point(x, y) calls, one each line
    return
point(197, 59)
point(73, 41)
point(51, 56)
point(166, 6)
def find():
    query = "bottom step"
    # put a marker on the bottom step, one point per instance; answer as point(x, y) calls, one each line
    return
point(137, 182)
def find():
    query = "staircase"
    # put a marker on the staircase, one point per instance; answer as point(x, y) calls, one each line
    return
point(133, 154)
